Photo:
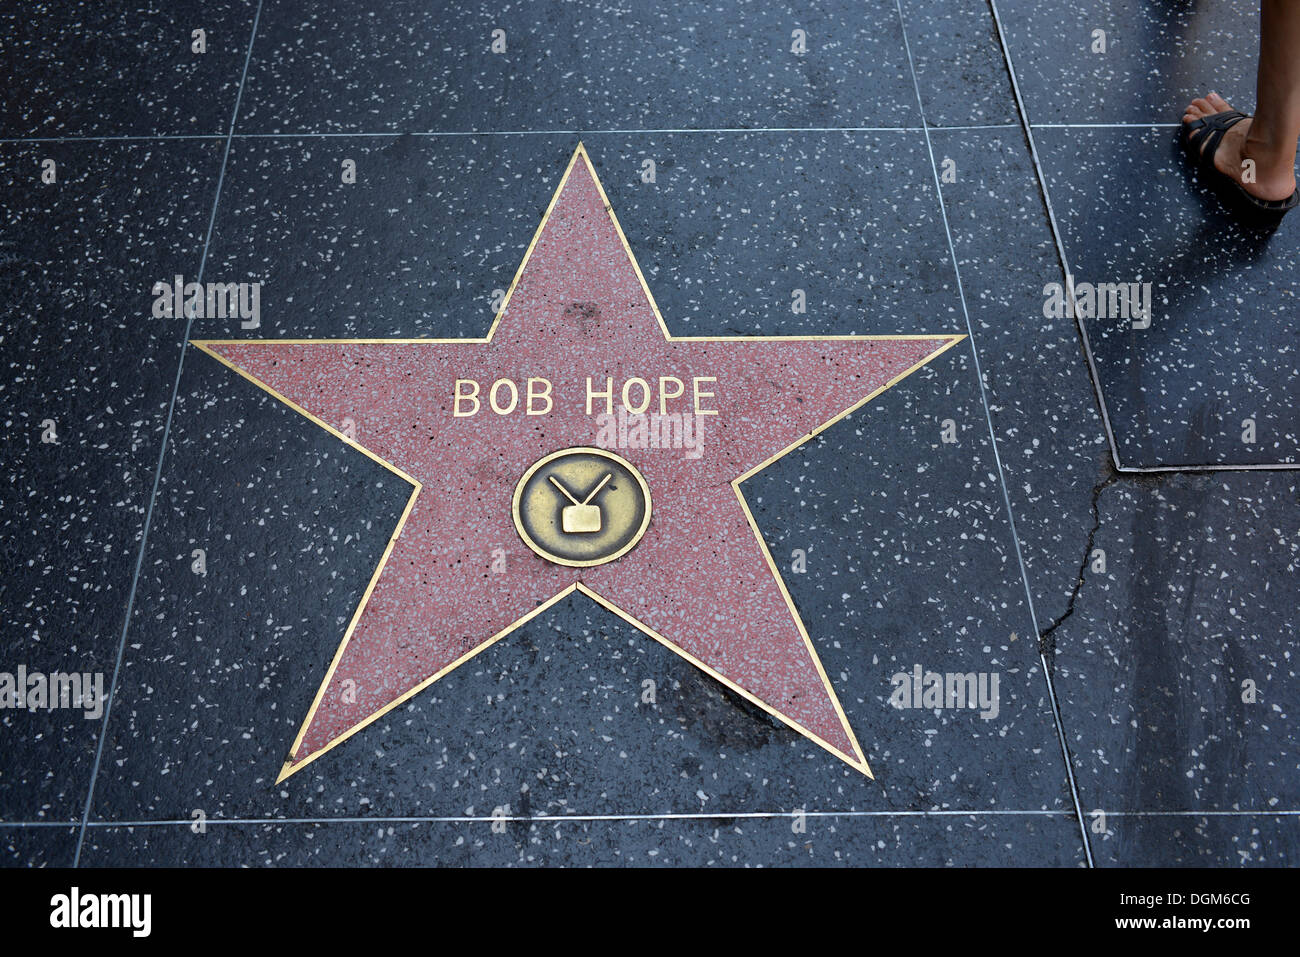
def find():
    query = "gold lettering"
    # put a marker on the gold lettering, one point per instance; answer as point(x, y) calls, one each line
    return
point(514, 397)
point(533, 394)
point(607, 395)
point(645, 394)
point(665, 395)
point(471, 396)
point(700, 394)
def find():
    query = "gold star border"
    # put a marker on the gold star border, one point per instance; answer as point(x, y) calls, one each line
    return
point(856, 760)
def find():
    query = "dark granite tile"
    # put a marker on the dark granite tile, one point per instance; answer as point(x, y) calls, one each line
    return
point(1223, 346)
point(416, 247)
point(109, 68)
point(223, 662)
point(1253, 840)
point(725, 234)
point(82, 349)
point(1050, 435)
point(1158, 57)
point(732, 226)
point(1199, 596)
point(1010, 841)
point(959, 64)
point(32, 846)
point(406, 67)
point(911, 562)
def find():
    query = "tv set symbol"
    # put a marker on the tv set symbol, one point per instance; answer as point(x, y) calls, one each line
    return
point(580, 518)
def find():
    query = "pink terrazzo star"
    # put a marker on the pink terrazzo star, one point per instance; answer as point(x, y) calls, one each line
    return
point(700, 581)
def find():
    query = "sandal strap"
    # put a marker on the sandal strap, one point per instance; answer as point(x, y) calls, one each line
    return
point(1206, 143)
point(1206, 133)
point(1225, 120)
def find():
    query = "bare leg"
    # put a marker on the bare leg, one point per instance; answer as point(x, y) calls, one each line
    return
point(1269, 139)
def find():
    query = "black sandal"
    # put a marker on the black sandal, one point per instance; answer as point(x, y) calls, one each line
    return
point(1201, 138)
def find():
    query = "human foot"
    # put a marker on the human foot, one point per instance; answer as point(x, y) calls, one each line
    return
point(1259, 171)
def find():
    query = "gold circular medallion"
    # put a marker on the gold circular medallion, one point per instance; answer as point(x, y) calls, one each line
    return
point(581, 507)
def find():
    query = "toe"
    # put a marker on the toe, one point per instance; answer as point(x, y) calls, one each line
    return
point(1218, 103)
